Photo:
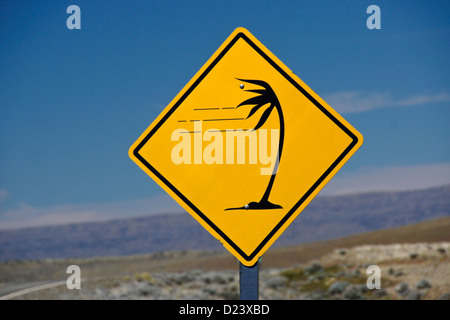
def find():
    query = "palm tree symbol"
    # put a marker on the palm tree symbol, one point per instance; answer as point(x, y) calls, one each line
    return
point(266, 97)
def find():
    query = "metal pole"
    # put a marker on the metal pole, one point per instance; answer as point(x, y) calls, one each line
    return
point(248, 282)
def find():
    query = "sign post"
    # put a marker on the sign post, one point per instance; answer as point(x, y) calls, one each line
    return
point(244, 147)
point(249, 282)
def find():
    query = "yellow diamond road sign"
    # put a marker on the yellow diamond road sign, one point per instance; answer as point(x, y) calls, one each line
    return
point(245, 146)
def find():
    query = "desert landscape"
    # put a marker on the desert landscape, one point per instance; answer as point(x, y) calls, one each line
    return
point(414, 261)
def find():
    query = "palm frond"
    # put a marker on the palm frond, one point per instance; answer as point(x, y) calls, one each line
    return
point(261, 91)
point(256, 108)
point(257, 82)
point(264, 117)
point(255, 100)
point(266, 96)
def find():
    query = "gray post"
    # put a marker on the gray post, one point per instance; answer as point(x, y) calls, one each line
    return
point(248, 282)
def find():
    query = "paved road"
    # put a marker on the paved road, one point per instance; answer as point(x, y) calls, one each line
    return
point(13, 290)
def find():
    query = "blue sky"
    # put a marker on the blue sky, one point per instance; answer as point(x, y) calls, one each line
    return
point(73, 101)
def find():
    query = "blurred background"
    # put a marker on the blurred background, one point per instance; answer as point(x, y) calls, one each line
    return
point(72, 101)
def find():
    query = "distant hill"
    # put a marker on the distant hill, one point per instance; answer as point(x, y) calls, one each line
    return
point(32, 271)
point(325, 218)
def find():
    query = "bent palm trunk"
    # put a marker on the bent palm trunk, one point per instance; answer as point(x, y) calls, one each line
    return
point(267, 95)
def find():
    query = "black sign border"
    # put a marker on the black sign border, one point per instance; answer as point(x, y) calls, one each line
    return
point(354, 142)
